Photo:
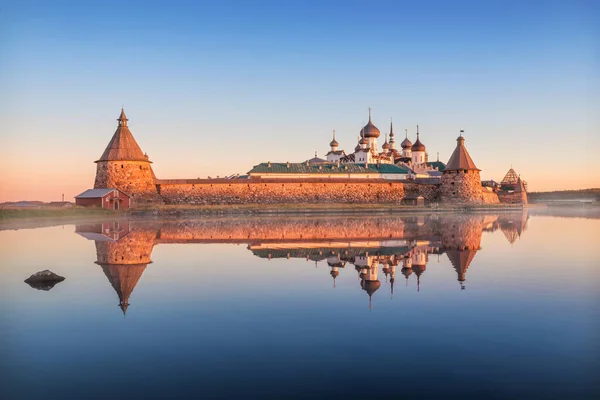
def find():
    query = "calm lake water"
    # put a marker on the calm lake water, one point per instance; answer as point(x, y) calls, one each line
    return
point(501, 305)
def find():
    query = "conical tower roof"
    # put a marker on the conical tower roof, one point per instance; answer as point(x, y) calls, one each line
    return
point(122, 146)
point(460, 158)
point(510, 233)
point(123, 279)
point(510, 178)
point(461, 259)
point(519, 187)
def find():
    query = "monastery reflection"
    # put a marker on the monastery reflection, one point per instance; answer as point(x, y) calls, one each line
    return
point(370, 244)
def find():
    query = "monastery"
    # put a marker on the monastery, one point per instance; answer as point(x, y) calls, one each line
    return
point(369, 174)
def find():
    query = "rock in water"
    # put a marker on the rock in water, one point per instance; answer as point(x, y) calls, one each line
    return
point(44, 280)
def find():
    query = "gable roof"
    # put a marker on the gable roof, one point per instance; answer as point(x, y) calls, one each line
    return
point(460, 158)
point(328, 168)
point(122, 146)
point(95, 193)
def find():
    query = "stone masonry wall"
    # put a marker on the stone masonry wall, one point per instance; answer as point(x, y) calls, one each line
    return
point(132, 177)
point(489, 197)
point(265, 192)
point(513, 198)
point(134, 248)
point(431, 193)
point(464, 187)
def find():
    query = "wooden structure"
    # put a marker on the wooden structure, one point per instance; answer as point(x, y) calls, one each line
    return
point(414, 200)
point(111, 199)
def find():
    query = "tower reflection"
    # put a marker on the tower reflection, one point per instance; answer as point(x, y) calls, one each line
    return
point(124, 248)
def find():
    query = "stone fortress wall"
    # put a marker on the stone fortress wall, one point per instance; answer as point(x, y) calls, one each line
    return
point(258, 191)
point(135, 178)
point(465, 187)
point(513, 198)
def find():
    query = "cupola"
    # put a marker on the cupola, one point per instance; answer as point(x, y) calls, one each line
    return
point(370, 130)
point(418, 146)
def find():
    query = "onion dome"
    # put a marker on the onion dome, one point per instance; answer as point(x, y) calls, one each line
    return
point(418, 146)
point(335, 274)
point(370, 286)
point(386, 145)
point(363, 140)
point(370, 130)
point(406, 143)
point(334, 142)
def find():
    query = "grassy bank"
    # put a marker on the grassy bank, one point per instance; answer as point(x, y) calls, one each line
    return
point(27, 218)
point(303, 208)
point(8, 214)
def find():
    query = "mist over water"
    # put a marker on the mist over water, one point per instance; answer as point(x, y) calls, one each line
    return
point(500, 305)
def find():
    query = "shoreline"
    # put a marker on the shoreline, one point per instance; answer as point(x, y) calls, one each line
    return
point(14, 219)
point(29, 218)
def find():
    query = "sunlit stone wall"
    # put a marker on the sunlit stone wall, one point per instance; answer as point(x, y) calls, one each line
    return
point(132, 177)
point(134, 248)
point(264, 192)
point(275, 229)
point(465, 187)
point(513, 198)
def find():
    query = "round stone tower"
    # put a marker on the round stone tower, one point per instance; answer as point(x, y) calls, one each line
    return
point(461, 182)
point(124, 166)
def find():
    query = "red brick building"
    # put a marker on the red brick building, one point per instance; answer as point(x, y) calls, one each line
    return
point(112, 199)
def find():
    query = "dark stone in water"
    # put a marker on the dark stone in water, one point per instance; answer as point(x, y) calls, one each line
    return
point(44, 280)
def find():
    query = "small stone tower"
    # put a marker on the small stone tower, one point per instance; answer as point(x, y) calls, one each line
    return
point(461, 182)
point(124, 166)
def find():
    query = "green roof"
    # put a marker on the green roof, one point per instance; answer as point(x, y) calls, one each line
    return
point(437, 164)
point(327, 168)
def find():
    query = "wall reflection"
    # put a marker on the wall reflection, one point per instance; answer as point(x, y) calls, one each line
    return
point(373, 245)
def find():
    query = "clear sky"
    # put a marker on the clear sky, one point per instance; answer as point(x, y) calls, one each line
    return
point(213, 88)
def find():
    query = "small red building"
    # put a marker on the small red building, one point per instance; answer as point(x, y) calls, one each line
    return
point(112, 199)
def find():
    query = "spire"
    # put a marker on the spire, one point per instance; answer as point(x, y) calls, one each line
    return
point(391, 129)
point(417, 132)
point(123, 305)
point(369, 114)
point(438, 156)
point(122, 118)
point(406, 133)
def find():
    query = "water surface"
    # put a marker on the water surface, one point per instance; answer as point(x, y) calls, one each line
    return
point(467, 306)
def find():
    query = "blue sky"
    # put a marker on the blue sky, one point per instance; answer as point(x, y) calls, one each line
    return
point(216, 87)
